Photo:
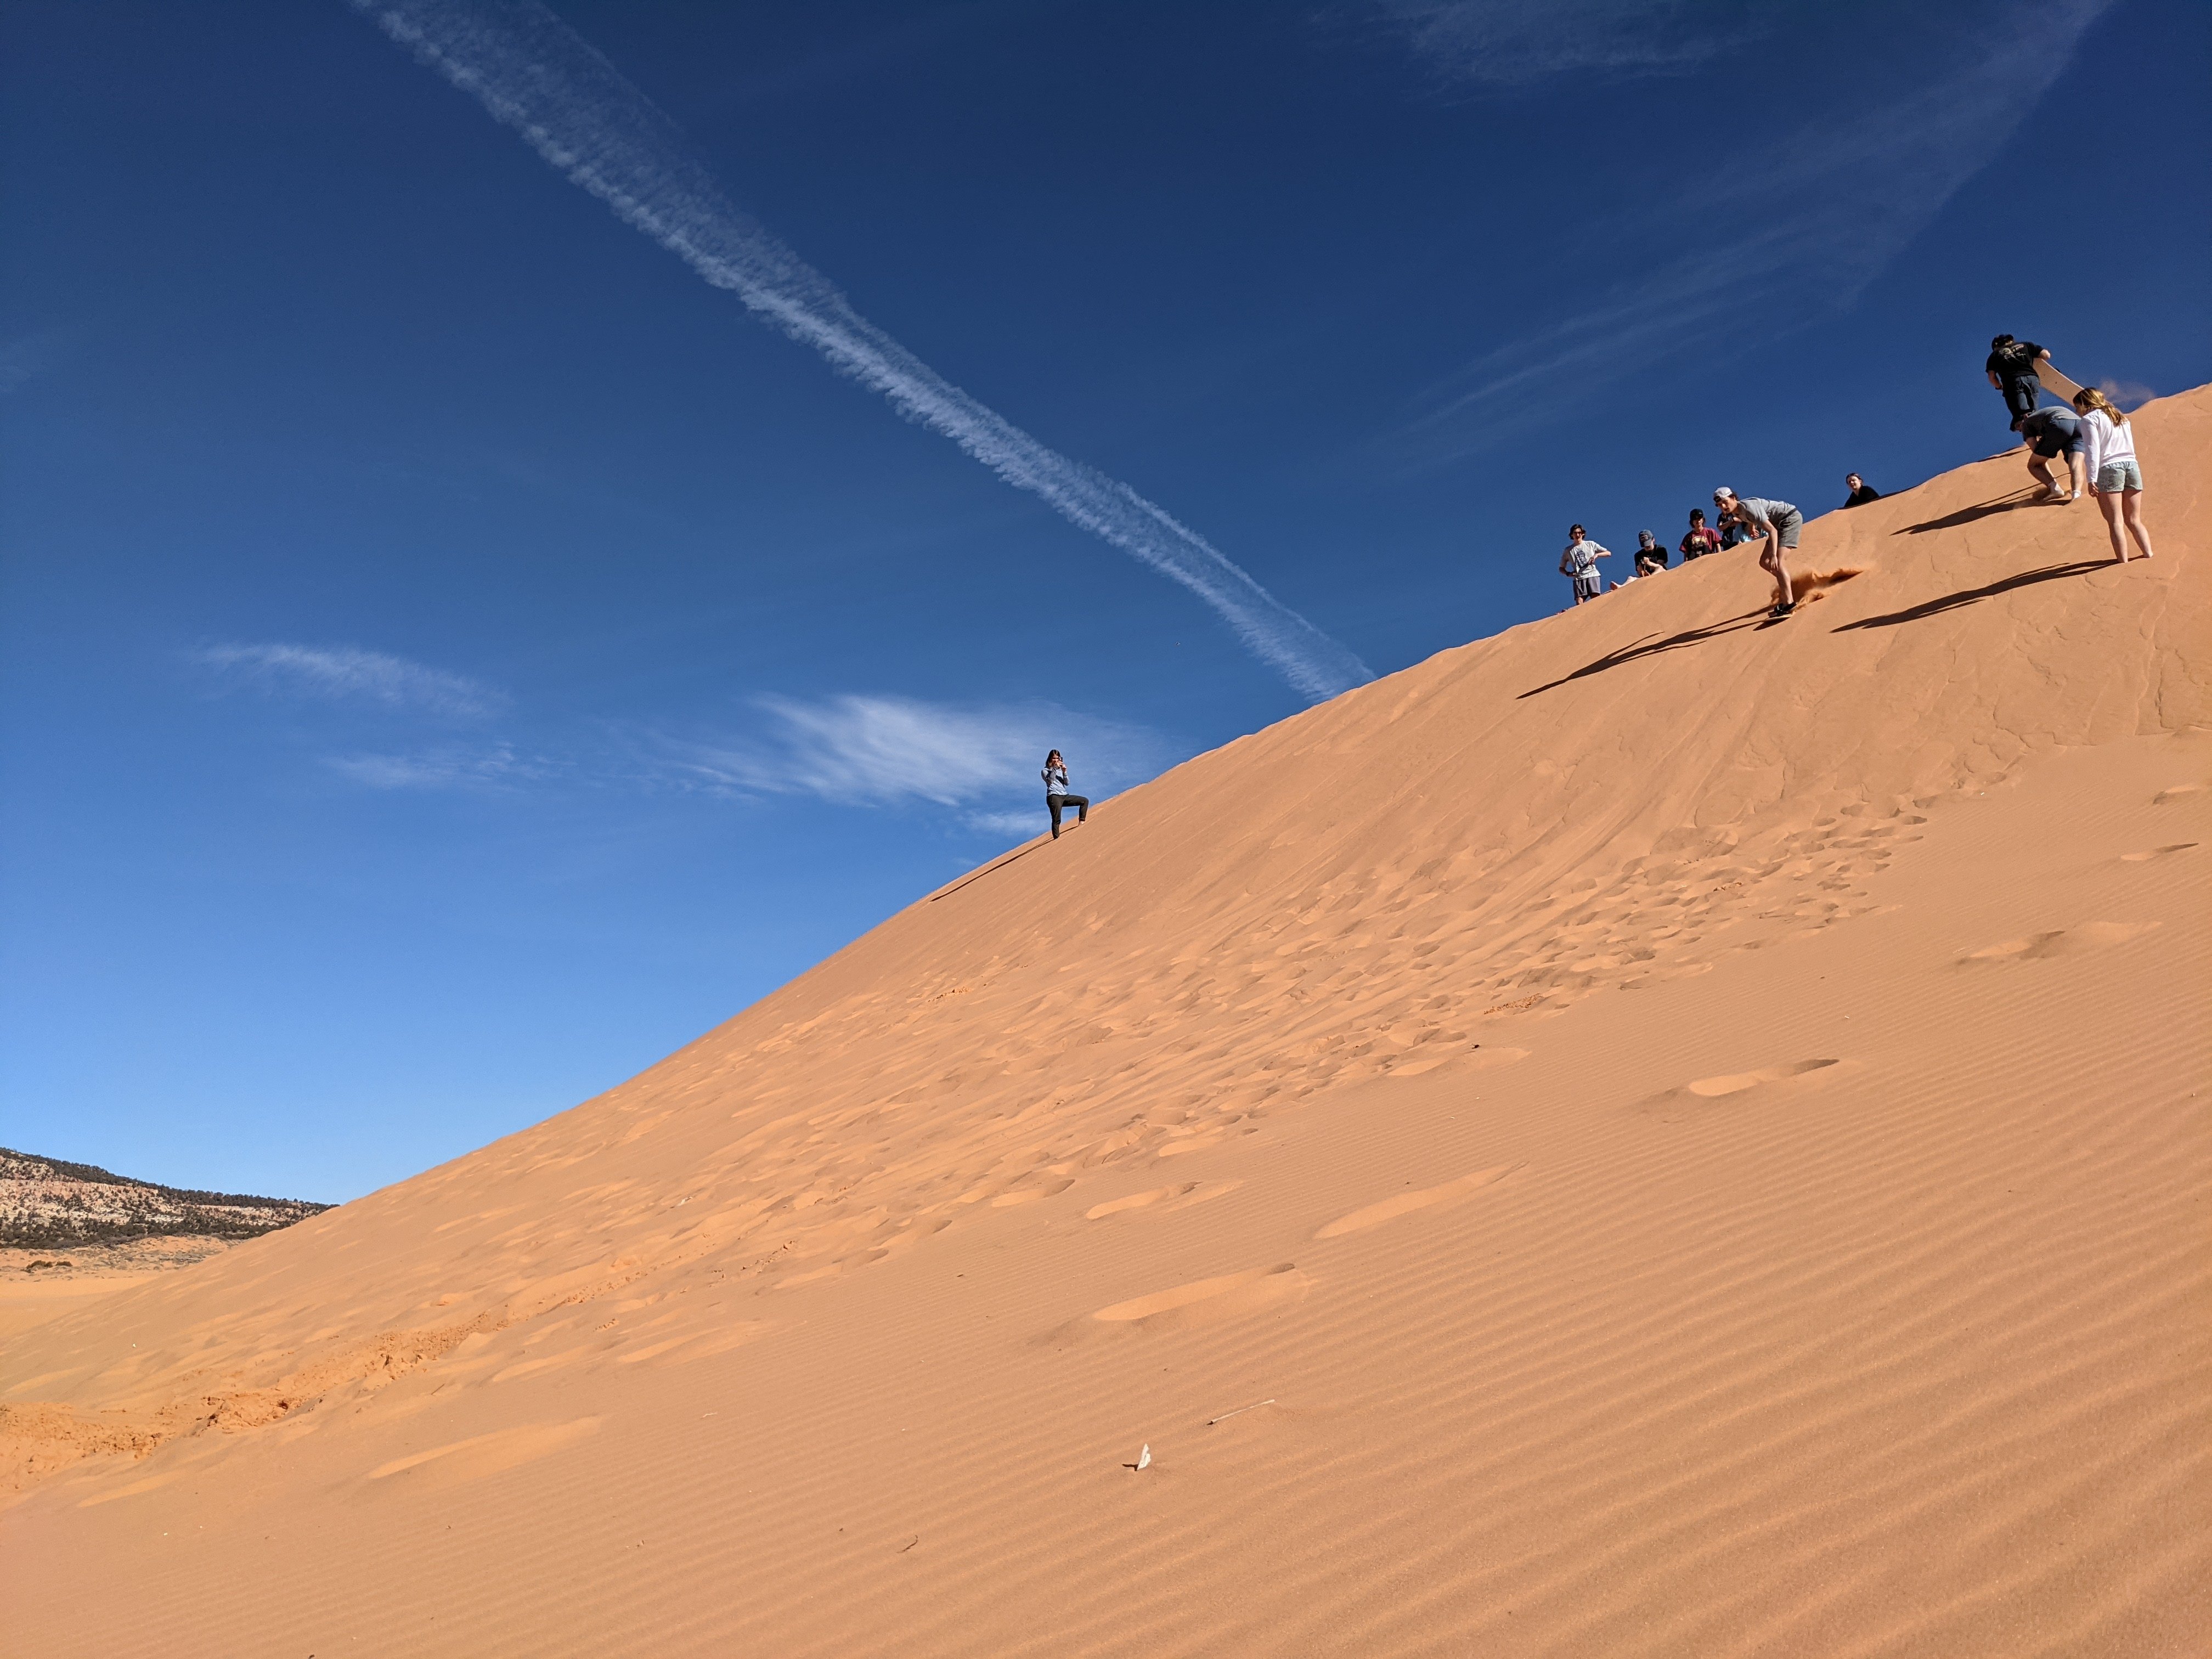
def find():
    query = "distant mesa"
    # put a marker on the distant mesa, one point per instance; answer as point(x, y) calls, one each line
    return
point(49, 1203)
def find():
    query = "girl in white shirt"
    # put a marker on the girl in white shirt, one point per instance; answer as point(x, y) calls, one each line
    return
point(2115, 478)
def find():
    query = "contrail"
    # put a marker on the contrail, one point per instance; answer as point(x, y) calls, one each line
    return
point(536, 75)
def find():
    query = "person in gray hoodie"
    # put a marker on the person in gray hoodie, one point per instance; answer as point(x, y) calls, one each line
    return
point(1056, 797)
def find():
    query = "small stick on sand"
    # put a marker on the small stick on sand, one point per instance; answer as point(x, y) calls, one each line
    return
point(1239, 1411)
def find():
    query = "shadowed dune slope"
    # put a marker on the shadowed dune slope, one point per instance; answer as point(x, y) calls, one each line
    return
point(1692, 1126)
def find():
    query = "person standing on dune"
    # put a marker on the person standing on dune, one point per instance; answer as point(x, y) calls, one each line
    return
point(1778, 521)
point(2051, 433)
point(1861, 491)
point(1580, 562)
point(2115, 477)
point(2011, 369)
point(1056, 797)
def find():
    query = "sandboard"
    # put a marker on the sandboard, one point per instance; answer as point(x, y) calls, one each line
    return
point(2055, 383)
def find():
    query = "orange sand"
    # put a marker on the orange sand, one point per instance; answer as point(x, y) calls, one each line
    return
point(1694, 1130)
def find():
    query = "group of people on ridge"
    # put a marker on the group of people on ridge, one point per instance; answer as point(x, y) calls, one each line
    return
point(2092, 435)
point(1741, 519)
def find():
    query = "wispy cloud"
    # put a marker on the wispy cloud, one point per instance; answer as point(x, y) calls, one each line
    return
point(450, 767)
point(863, 749)
point(535, 74)
point(1505, 43)
point(1806, 221)
point(22, 357)
point(349, 673)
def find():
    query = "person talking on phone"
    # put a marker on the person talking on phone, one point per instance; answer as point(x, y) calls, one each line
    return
point(1056, 797)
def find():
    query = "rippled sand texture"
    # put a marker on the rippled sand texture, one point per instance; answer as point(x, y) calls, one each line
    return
point(1652, 1134)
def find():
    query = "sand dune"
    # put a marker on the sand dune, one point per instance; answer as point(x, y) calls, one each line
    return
point(1693, 1129)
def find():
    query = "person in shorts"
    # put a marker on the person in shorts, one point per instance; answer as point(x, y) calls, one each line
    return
point(1702, 539)
point(2050, 433)
point(1650, 554)
point(1779, 523)
point(1580, 562)
point(2011, 369)
point(2115, 476)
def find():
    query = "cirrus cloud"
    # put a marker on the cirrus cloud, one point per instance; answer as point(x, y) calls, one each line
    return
point(863, 749)
point(351, 674)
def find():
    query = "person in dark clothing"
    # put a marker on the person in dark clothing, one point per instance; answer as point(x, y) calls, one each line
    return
point(2051, 433)
point(1861, 491)
point(1650, 554)
point(1702, 539)
point(2011, 370)
point(1056, 797)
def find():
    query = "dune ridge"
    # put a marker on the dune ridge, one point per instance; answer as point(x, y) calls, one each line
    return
point(1690, 1123)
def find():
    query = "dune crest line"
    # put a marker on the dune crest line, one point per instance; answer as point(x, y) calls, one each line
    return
point(536, 75)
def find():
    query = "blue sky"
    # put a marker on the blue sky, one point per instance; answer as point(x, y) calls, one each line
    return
point(452, 653)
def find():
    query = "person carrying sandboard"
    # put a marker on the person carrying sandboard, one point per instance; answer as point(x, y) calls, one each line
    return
point(2056, 384)
point(2012, 368)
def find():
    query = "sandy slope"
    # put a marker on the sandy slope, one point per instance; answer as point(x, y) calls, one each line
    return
point(1696, 1129)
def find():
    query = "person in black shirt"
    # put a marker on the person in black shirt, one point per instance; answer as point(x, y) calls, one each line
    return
point(2012, 371)
point(1861, 491)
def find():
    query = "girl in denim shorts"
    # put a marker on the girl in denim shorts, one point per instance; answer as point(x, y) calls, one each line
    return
point(2115, 476)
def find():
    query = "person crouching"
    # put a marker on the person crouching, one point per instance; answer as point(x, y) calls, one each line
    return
point(1778, 522)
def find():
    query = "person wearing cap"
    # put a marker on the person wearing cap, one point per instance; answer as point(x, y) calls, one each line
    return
point(1580, 562)
point(2011, 369)
point(1650, 554)
point(1779, 523)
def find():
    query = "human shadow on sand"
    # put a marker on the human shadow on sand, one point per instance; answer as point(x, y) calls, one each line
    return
point(2004, 503)
point(2050, 572)
point(1647, 646)
point(978, 875)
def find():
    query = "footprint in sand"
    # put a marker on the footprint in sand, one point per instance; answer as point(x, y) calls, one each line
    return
point(135, 1487)
point(2156, 853)
point(1727, 1083)
point(2057, 942)
point(699, 1345)
point(486, 1454)
point(1186, 1307)
point(1030, 1194)
point(1165, 1198)
point(1406, 1203)
point(2180, 792)
point(1734, 1083)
